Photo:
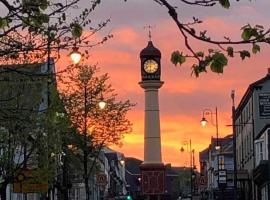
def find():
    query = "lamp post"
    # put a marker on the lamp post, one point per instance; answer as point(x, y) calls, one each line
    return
point(189, 149)
point(234, 146)
point(204, 122)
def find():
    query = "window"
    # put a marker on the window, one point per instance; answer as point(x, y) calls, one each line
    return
point(221, 162)
point(248, 142)
point(259, 151)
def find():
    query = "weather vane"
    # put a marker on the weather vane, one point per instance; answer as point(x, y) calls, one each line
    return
point(149, 31)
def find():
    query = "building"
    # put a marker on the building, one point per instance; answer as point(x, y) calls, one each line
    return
point(204, 163)
point(261, 171)
point(116, 188)
point(133, 177)
point(250, 118)
point(24, 98)
point(217, 171)
point(107, 180)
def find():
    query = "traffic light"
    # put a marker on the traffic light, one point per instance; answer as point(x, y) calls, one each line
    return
point(129, 197)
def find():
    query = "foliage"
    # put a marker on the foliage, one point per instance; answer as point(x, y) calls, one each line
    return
point(83, 87)
point(22, 133)
point(33, 30)
point(216, 59)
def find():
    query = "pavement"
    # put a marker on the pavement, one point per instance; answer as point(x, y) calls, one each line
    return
point(196, 198)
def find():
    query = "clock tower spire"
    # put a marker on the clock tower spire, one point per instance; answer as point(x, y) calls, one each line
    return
point(152, 168)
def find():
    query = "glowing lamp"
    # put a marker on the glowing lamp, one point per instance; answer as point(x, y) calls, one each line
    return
point(75, 56)
point(203, 122)
point(102, 104)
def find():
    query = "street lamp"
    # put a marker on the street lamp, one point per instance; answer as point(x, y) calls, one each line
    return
point(75, 55)
point(122, 162)
point(191, 163)
point(204, 122)
point(217, 145)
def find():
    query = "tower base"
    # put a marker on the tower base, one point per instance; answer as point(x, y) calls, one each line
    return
point(152, 179)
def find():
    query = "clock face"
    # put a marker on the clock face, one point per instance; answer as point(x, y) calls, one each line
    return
point(150, 66)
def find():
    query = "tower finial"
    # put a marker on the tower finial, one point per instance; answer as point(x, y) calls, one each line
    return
point(149, 31)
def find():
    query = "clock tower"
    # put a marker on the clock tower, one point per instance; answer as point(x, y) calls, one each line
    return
point(152, 168)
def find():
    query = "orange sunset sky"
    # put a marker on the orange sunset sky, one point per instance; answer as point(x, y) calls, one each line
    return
point(183, 97)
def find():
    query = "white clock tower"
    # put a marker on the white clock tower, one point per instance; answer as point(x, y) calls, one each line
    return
point(152, 168)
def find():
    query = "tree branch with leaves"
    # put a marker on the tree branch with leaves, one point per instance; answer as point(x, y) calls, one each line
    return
point(215, 59)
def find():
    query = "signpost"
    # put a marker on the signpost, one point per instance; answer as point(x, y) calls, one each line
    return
point(222, 178)
point(101, 179)
point(27, 181)
point(203, 181)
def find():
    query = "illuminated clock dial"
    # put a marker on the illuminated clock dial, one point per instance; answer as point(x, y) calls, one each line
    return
point(150, 66)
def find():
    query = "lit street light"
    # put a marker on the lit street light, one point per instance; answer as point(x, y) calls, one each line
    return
point(122, 162)
point(75, 55)
point(102, 104)
point(204, 122)
point(192, 164)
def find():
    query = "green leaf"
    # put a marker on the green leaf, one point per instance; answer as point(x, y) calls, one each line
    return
point(225, 3)
point(44, 18)
point(177, 57)
point(246, 34)
point(244, 54)
point(230, 51)
point(76, 30)
point(219, 61)
point(3, 23)
point(200, 54)
point(256, 48)
point(197, 69)
point(43, 4)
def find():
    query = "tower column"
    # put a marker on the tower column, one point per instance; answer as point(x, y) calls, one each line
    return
point(152, 140)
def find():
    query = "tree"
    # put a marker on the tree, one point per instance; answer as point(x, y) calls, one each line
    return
point(83, 88)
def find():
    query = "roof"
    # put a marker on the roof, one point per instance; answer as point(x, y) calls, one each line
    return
point(133, 165)
point(150, 50)
point(28, 68)
point(204, 155)
point(249, 92)
point(111, 156)
point(262, 131)
point(226, 144)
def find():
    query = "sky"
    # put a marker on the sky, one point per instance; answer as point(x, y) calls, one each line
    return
point(183, 97)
